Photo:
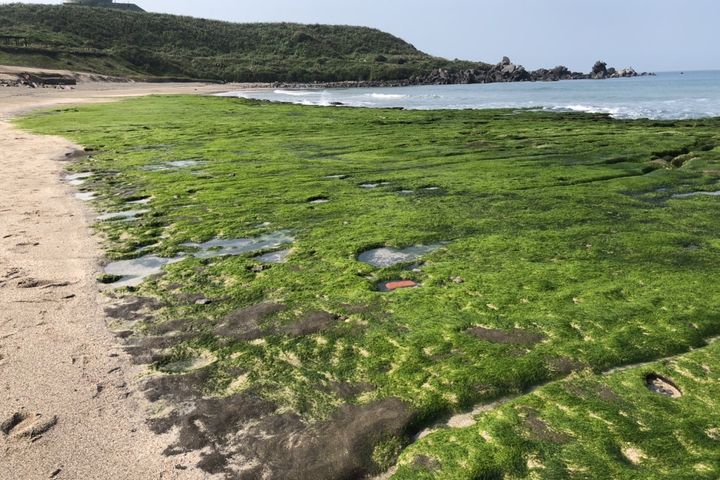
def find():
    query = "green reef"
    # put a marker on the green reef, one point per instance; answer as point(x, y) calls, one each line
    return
point(564, 246)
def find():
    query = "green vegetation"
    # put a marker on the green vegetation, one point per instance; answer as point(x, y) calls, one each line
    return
point(145, 44)
point(563, 250)
point(589, 427)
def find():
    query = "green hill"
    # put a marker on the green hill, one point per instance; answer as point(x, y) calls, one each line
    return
point(146, 44)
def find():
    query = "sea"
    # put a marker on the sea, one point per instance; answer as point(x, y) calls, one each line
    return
point(668, 95)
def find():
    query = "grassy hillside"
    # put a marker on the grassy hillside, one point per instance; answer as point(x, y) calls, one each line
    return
point(563, 251)
point(129, 43)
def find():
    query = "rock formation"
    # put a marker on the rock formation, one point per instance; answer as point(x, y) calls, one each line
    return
point(506, 71)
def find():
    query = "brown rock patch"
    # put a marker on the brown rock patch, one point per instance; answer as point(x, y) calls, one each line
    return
point(514, 336)
point(564, 365)
point(540, 430)
point(244, 323)
point(246, 429)
point(426, 462)
point(348, 391)
point(311, 322)
point(133, 308)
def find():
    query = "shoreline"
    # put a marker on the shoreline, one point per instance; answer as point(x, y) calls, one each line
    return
point(70, 405)
point(503, 72)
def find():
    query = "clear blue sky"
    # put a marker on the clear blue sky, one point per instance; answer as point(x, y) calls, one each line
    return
point(655, 35)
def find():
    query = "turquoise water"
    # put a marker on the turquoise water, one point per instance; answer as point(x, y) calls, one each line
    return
point(665, 96)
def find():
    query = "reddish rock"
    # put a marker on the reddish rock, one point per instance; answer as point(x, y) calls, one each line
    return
point(400, 284)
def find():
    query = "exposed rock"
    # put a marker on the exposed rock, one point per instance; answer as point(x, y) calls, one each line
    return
point(514, 336)
point(599, 71)
point(244, 323)
point(625, 72)
point(311, 322)
point(506, 71)
point(247, 430)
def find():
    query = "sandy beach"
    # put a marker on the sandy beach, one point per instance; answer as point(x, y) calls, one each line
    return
point(69, 404)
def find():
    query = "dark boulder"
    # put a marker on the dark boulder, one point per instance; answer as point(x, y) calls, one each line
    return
point(599, 71)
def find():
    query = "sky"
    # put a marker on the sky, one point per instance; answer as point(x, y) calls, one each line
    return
point(648, 35)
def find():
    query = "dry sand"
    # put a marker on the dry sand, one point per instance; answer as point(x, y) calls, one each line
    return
point(69, 404)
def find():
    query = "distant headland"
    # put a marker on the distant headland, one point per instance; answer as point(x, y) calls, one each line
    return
point(119, 40)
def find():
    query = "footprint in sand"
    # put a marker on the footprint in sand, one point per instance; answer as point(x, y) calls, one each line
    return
point(30, 426)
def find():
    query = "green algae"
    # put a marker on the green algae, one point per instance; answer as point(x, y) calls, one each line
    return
point(558, 224)
point(589, 426)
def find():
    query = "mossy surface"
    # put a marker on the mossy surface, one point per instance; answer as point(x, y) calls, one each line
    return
point(589, 427)
point(560, 238)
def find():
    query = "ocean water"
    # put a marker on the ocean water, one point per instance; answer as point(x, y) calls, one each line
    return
point(666, 96)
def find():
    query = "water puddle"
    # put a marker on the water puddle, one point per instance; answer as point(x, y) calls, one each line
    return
point(373, 185)
point(318, 200)
point(336, 177)
point(127, 215)
point(174, 165)
point(274, 257)
point(662, 386)
point(239, 246)
point(134, 272)
point(407, 192)
point(431, 189)
point(142, 201)
point(387, 257)
point(86, 196)
point(77, 179)
point(697, 194)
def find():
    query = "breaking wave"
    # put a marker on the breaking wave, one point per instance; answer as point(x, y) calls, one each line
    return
point(297, 93)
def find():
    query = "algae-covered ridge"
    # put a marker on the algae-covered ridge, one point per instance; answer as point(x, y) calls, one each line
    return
point(562, 251)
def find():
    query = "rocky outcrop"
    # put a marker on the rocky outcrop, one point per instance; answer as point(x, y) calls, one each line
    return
point(599, 71)
point(506, 71)
point(560, 72)
point(626, 72)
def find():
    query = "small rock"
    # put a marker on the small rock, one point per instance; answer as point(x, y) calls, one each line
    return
point(390, 286)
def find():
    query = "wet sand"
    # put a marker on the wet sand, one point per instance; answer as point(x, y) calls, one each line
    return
point(69, 401)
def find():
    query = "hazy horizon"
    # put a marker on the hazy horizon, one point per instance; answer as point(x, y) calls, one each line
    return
point(648, 35)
